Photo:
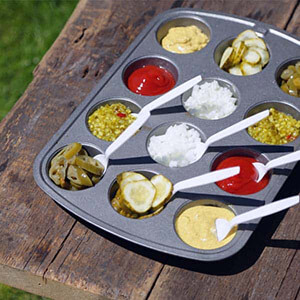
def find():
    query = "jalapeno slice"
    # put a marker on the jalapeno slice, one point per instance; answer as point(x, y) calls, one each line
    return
point(57, 171)
point(78, 176)
point(89, 164)
point(73, 169)
point(72, 150)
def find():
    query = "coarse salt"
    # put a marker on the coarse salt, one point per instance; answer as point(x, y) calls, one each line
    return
point(178, 147)
point(211, 101)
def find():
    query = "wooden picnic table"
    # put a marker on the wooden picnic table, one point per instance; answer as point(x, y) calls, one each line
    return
point(46, 251)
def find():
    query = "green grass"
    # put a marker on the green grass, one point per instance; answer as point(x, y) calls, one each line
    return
point(8, 293)
point(27, 29)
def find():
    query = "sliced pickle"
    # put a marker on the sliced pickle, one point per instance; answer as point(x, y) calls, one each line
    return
point(130, 178)
point(116, 201)
point(249, 69)
point(72, 150)
point(240, 48)
point(121, 208)
point(245, 35)
point(164, 188)
point(236, 70)
point(264, 55)
point(89, 164)
point(118, 204)
point(227, 58)
point(139, 195)
point(123, 176)
point(78, 176)
point(156, 212)
point(256, 42)
point(251, 56)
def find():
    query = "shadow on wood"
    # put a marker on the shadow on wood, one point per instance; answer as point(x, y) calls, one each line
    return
point(244, 259)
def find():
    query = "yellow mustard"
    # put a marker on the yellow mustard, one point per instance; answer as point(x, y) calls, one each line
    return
point(184, 39)
point(195, 225)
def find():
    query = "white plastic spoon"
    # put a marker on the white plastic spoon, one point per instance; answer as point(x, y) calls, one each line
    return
point(263, 169)
point(205, 179)
point(142, 117)
point(232, 129)
point(223, 226)
point(173, 93)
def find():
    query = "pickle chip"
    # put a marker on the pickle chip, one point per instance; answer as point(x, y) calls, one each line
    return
point(164, 188)
point(227, 58)
point(123, 175)
point(236, 70)
point(131, 177)
point(264, 55)
point(139, 195)
point(71, 150)
point(245, 35)
point(249, 69)
point(156, 212)
point(251, 56)
point(239, 49)
point(256, 42)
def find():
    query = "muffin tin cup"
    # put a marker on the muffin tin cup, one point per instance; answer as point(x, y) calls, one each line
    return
point(93, 204)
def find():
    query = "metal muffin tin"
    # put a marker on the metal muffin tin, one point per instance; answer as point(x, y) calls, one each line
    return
point(93, 204)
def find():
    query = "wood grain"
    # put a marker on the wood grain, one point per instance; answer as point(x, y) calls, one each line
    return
point(40, 239)
point(36, 235)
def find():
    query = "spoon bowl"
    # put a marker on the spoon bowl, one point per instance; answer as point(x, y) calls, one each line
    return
point(223, 226)
point(262, 169)
point(237, 127)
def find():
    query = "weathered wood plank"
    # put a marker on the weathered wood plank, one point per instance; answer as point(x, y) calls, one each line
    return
point(35, 234)
point(294, 25)
point(272, 12)
point(40, 238)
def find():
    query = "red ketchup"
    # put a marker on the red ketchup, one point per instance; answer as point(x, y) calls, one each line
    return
point(150, 81)
point(244, 183)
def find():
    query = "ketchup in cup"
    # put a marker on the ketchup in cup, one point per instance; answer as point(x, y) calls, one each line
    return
point(150, 80)
point(243, 183)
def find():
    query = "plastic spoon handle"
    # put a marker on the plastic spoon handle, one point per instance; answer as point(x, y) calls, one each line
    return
point(173, 93)
point(206, 178)
point(265, 210)
point(237, 127)
point(141, 119)
point(291, 157)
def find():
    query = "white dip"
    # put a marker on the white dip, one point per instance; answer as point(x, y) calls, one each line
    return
point(178, 147)
point(211, 101)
